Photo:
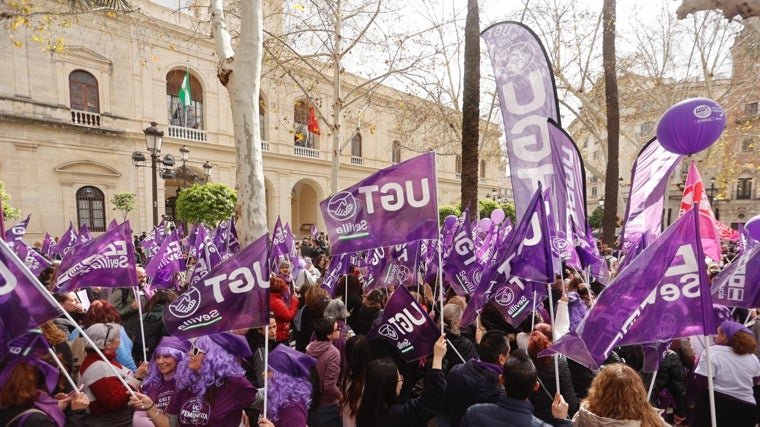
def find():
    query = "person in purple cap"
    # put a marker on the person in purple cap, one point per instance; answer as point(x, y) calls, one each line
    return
point(211, 386)
point(159, 385)
point(289, 390)
point(735, 369)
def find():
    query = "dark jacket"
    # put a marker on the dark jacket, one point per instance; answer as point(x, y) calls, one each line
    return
point(464, 346)
point(361, 321)
point(543, 398)
point(506, 412)
point(469, 384)
point(417, 411)
point(670, 376)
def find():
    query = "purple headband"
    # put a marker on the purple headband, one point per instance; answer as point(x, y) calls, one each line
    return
point(730, 328)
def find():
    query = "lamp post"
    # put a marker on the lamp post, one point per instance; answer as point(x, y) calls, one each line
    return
point(711, 191)
point(153, 140)
point(207, 170)
point(185, 154)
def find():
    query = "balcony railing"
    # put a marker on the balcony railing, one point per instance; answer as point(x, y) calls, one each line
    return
point(311, 153)
point(356, 160)
point(85, 118)
point(188, 134)
point(264, 145)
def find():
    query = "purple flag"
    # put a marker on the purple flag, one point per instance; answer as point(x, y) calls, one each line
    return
point(25, 303)
point(527, 96)
point(113, 224)
point(395, 205)
point(233, 295)
point(279, 249)
point(514, 299)
point(233, 244)
point(16, 233)
point(67, 241)
point(153, 240)
point(527, 257)
point(84, 234)
point(649, 178)
point(2, 221)
point(33, 261)
point(290, 244)
point(207, 258)
point(338, 266)
point(665, 286)
point(222, 238)
point(461, 269)
point(314, 232)
point(168, 260)
point(47, 245)
point(738, 285)
point(569, 189)
point(376, 260)
point(654, 353)
point(407, 326)
point(107, 260)
point(402, 265)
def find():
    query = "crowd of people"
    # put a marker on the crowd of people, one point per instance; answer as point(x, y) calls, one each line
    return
point(315, 365)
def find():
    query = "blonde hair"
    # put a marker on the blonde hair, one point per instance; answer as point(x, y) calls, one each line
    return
point(618, 392)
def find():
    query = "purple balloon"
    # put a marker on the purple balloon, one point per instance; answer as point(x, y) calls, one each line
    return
point(753, 227)
point(450, 221)
point(497, 216)
point(691, 126)
point(485, 224)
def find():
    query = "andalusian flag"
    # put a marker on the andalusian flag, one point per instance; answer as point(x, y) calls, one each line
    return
point(184, 91)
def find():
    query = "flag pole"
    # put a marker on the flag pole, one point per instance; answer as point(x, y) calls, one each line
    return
point(710, 385)
point(62, 368)
point(136, 290)
point(533, 319)
point(52, 301)
point(266, 366)
point(440, 243)
point(651, 385)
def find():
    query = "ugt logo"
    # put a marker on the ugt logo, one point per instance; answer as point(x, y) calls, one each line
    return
point(342, 206)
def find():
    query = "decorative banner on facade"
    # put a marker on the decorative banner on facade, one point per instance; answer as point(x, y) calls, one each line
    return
point(395, 205)
point(107, 261)
point(407, 326)
point(234, 295)
point(665, 286)
point(649, 178)
point(527, 96)
point(24, 301)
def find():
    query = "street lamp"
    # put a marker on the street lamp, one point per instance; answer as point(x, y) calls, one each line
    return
point(207, 170)
point(185, 153)
point(153, 140)
point(712, 190)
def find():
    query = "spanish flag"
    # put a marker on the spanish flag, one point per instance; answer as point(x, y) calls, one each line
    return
point(313, 123)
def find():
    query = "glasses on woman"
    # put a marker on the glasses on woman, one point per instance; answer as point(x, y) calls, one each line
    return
point(108, 333)
point(196, 351)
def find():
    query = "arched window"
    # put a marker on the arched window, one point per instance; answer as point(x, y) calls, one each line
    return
point(184, 98)
point(83, 92)
point(305, 125)
point(482, 168)
point(91, 208)
point(458, 165)
point(396, 152)
point(356, 145)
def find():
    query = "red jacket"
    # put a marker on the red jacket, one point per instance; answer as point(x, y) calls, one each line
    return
point(283, 314)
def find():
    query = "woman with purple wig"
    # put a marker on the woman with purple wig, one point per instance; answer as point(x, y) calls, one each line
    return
point(160, 382)
point(289, 389)
point(211, 388)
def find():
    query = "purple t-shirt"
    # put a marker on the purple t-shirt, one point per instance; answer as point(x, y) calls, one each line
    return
point(222, 406)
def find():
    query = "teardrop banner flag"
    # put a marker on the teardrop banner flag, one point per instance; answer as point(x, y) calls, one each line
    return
point(395, 205)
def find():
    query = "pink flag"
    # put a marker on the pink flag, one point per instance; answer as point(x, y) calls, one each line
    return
point(694, 192)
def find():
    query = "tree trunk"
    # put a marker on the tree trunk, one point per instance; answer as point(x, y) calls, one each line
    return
point(613, 122)
point(471, 108)
point(240, 73)
point(337, 102)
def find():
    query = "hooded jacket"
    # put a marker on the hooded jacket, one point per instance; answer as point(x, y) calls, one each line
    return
point(328, 368)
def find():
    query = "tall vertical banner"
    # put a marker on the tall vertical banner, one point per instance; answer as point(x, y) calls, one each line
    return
point(527, 96)
point(234, 295)
point(662, 295)
point(649, 178)
point(395, 205)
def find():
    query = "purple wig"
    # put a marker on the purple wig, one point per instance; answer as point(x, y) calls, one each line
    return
point(217, 366)
point(155, 378)
point(284, 390)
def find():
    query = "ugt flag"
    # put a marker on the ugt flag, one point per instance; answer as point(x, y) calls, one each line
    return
point(16, 233)
point(25, 303)
point(233, 295)
point(738, 285)
point(107, 260)
point(394, 205)
point(167, 261)
point(662, 295)
point(406, 326)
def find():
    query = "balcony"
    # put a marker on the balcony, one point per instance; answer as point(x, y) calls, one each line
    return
point(311, 153)
point(264, 145)
point(85, 118)
point(356, 160)
point(187, 134)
